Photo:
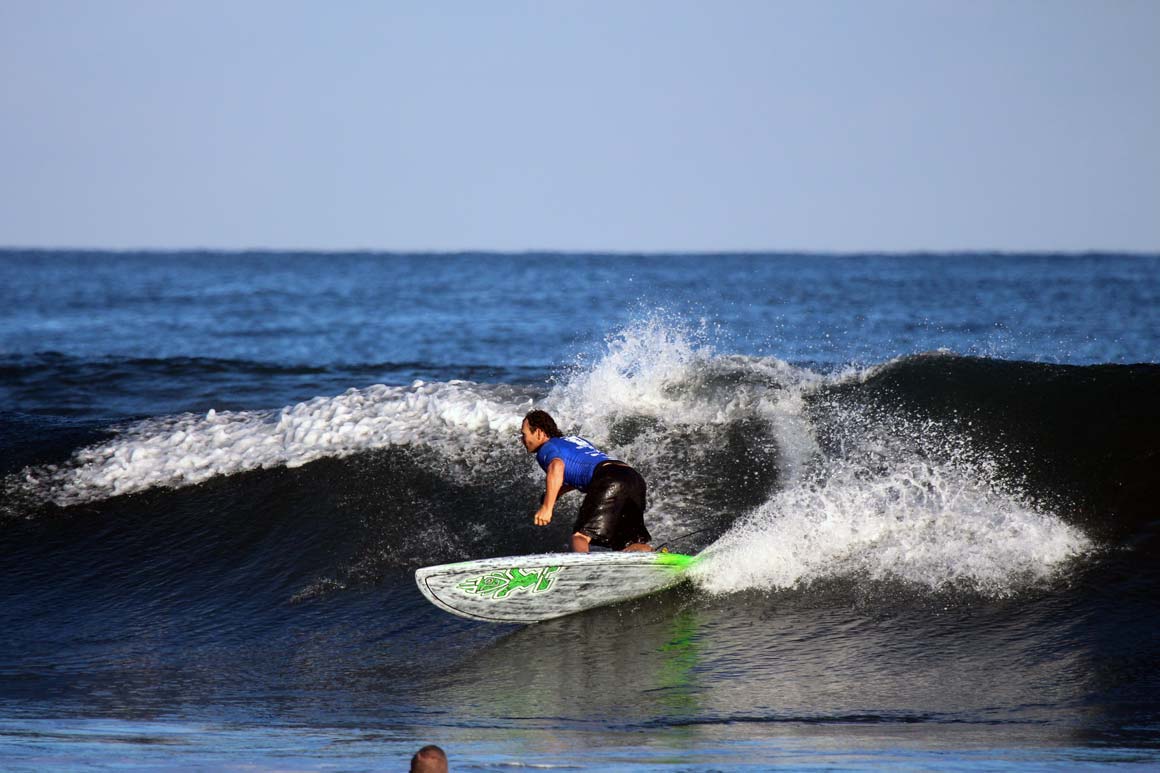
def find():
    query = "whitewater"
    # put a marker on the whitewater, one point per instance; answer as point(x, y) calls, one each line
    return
point(937, 525)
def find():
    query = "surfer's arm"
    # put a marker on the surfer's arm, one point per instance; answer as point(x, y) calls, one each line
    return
point(554, 488)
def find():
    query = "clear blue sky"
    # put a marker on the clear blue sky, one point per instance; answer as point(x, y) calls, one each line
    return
point(624, 126)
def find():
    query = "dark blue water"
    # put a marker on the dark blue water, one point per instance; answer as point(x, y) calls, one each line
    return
point(926, 486)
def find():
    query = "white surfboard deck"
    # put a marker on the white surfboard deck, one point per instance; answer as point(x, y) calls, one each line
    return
point(529, 589)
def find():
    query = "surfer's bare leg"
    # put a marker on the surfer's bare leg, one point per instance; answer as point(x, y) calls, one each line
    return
point(638, 547)
point(580, 542)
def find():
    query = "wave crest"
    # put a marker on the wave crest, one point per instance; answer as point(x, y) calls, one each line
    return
point(458, 416)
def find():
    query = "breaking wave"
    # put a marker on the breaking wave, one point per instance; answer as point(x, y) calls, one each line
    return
point(783, 475)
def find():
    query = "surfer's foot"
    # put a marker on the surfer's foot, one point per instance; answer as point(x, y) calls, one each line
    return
point(638, 547)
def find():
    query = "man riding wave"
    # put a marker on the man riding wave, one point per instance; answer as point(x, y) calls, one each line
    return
point(612, 513)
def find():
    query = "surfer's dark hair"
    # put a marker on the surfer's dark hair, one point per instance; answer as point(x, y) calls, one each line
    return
point(538, 419)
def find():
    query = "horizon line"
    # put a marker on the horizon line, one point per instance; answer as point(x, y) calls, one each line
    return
point(535, 252)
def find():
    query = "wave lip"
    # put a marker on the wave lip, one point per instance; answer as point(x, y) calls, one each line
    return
point(190, 449)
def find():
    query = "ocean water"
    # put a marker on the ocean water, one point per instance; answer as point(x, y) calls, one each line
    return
point(925, 487)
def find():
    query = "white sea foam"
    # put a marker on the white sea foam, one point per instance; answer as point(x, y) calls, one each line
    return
point(184, 450)
point(654, 369)
point(670, 375)
point(665, 370)
point(934, 525)
point(896, 499)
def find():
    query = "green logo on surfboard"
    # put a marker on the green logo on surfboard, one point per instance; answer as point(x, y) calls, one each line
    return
point(500, 583)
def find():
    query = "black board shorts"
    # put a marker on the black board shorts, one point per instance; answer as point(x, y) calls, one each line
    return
point(612, 513)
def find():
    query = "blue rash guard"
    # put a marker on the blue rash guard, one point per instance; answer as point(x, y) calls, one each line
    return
point(580, 459)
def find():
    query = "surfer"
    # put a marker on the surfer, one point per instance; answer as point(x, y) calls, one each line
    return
point(612, 513)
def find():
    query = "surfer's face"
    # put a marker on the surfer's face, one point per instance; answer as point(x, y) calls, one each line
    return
point(532, 438)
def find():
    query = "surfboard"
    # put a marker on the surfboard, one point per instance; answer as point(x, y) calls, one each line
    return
point(530, 589)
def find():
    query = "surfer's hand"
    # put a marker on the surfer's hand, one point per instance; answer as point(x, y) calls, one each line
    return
point(543, 516)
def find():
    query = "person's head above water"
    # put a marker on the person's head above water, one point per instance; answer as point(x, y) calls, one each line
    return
point(429, 759)
point(538, 428)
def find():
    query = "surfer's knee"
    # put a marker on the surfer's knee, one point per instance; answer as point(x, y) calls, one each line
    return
point(580, 542)
point(638, 547)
